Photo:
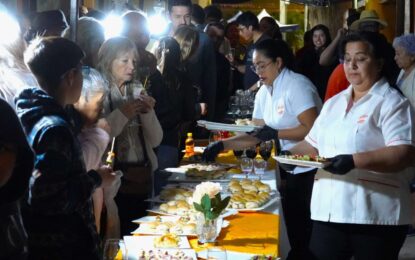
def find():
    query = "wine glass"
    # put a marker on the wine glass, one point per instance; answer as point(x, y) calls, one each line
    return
point(246, 166)
point(112, 249)
point(216, 253)
point(251, 152)
point(259, 167)
point(265, 149)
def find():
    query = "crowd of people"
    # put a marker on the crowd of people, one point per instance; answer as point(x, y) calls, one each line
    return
point(69, 104)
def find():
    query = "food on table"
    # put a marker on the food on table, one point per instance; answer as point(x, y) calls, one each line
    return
point(205, 175)
point(205, 166)
point(159, 254)
point(310, 158)
point(175, 194)
point(235, 170)
point(176, 207)
point(185, 225)
point(166, 241)
point(248, 194)
point(244, 121)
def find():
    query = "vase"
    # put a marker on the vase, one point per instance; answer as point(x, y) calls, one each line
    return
point(206, 230)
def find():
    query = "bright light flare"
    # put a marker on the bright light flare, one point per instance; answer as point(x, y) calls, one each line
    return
point(112, 25)
point(9, 28)
point(157, 24)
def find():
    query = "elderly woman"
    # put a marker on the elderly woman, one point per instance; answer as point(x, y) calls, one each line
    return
point(286, 106)
point(361, 200)
point(130, 114)
point(94, 138)
point(405, 59)
point(308, 64)
point(60, 220)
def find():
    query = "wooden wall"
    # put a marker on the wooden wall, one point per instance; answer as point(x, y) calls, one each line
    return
point(331, 16)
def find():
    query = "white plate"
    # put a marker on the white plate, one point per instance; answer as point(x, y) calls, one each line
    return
point(182, 178)
point(226, 213)
point(221, 223)
point(147, 242)
point(187, 252)
point(283, 159)
point(153, 218)
point(227, 127)
point(140, 231)
point(264, 206)
point(197, 149)
point(134, 245)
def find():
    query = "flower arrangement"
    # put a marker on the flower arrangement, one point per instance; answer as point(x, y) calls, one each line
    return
point(207, 200)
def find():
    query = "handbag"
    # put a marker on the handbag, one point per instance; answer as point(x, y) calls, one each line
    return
point(137, 178)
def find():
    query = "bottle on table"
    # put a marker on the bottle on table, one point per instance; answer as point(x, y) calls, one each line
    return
point(189, 145)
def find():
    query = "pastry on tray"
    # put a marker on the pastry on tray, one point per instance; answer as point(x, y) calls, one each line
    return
point(166, 241)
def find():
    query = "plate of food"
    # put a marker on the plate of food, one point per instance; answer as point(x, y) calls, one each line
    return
point(227, 127)
point(164, 241)
point(162, 254)
point(180, 226)
point(250, 195)
point(303, 160)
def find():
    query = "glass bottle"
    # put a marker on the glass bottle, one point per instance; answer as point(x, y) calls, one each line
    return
point(189, 145)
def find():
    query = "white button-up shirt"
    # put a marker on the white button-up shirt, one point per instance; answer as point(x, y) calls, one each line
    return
point(279, 105)
point(381, 118)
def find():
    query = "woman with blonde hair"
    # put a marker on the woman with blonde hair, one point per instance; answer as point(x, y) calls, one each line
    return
point(130, 114)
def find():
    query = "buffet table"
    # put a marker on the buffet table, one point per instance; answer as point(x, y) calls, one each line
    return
point(251, 233)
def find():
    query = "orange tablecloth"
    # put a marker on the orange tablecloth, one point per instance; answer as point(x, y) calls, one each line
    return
point(254, 233)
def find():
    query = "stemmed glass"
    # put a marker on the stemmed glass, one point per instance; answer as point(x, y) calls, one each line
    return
point(265, 149)
point(112, 248)
point(251, 153)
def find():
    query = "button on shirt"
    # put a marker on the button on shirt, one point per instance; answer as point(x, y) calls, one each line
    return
point(381, 118)
point(279, 105)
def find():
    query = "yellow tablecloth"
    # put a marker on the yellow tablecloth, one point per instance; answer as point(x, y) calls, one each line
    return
point(254, 233)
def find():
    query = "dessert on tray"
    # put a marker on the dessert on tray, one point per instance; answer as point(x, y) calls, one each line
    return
point(248, 194)
point(166, 241)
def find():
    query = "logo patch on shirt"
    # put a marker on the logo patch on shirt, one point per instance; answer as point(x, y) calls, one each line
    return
point(362, 119)
point(280, 107)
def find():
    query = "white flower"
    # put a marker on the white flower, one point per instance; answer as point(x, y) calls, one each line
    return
point(209, 188)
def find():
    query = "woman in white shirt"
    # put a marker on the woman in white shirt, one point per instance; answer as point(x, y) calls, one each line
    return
point(131, 117)
point(286, 106)
point(361, 200)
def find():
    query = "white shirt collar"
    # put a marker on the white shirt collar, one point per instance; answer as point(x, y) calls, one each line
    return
point(379, 89)
point(280, 76)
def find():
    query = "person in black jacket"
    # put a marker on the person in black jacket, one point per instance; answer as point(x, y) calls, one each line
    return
point(59, 219)
point(176, 101)
point(16, 164)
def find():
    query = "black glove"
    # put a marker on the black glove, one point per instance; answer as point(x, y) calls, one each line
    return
point(211, 151)
point(340, 164)
point(284, 166)
point(266, 133)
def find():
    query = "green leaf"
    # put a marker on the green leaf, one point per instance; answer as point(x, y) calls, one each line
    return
point(224, 203)
point(206, 205)
point(198, 207)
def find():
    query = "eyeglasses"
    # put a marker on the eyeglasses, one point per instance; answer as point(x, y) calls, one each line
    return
point(259, 68)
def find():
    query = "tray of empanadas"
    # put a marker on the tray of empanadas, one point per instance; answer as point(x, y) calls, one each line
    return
point(250, 195)
point(181, 226)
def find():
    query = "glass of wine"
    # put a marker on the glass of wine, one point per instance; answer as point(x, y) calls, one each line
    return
point(265, 149)
point(251, 152)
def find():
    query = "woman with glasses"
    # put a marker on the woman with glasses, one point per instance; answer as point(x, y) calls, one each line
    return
point(286, 106)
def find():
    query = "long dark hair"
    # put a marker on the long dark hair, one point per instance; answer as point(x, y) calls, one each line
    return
point(172, 60)
point(325, 30)
point(274, 49)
